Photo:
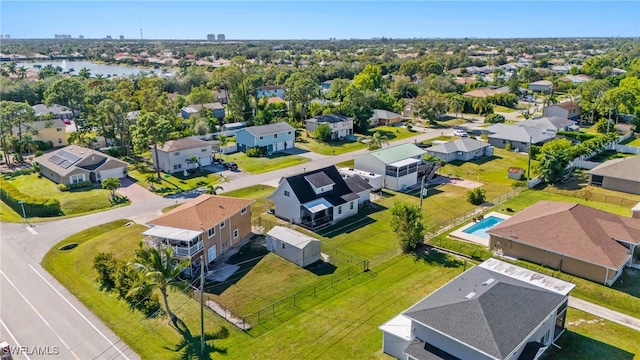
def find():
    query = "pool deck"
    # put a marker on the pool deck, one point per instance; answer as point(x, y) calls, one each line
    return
point(461, 235)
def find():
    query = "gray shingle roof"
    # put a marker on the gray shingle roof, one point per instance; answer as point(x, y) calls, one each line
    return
point(42, 109)
point(464, 145)
point(519, 133)
point(547, 123)
point(626, 169)
point(420, 350)
point(269, 129)
point(493, 317)
point(384, 114)
point(330, 118)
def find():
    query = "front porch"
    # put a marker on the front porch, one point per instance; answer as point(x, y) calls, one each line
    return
point(185, 243)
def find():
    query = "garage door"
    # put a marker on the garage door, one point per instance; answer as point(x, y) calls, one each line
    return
point(279, 146)
point(117, 173)
point(205, 161)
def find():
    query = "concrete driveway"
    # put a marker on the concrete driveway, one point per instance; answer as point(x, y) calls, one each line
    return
point(135, 192)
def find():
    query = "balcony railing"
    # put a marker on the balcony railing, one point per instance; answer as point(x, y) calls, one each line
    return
point(178, 250)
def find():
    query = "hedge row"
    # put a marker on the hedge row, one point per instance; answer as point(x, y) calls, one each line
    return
point(576, 135)
point(39, 207)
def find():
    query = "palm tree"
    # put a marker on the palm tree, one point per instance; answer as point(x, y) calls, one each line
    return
point(481, 105)
point(28, 144)
point(223, 140)
point(112, 184)
point(84, 73)
point(160, 268)
point(456, 105)
point(376, 140)
point(22, 72)
point(213, 189)
point(12, 68)
point(194, 160)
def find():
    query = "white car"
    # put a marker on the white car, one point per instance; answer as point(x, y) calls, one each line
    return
point(460, 133)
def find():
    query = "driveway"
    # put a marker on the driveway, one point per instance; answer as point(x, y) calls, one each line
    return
point(135, 192)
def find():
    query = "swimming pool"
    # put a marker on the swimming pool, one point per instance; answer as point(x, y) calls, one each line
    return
point(479, 229)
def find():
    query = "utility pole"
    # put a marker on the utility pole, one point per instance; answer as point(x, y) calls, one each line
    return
point(202, 304)
point(529, 162)
point(422, 189)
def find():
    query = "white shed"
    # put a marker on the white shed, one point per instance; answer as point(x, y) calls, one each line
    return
point(293, 246)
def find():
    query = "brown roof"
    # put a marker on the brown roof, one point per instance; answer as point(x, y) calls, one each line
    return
point(275, 100)
point(202, 213)
point(572, 230)
point(481, 92)
point(182, 144)
point(625, 169)
point(568, 105)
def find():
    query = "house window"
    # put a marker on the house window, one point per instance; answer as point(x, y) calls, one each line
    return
point(339, 209)
point(243, 211)
point(261, 137)
point(275, 136)
point(59, 141)
point(283, 245)
point(289, 133)
point(176, 153)
point(212, 231)
point(222, 225)
point(58, 129)
point(351, 205)
point(203, 150)
point(74, 179)
point(235, 233)
point(287, 193)
point(177, 167)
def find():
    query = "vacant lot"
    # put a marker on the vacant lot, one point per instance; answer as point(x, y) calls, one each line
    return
point(330, 148)
point(264, 164)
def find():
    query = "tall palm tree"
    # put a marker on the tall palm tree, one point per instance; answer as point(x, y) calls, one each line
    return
point(376, 140)
point(160, 268)
point(223, 140)
point(12, 68)
point(481, 105)
point(194, 161)
point(22, 72)
point(456, 105)
point(84, 73)
point(213, 189)
point(28, 144)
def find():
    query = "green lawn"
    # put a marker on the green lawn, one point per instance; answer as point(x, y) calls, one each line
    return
point(8, 215)
point(256, 192)
point(589, 337)
point(73, 202)
point(331, 148)
point(348, 164)
point(264, 164)
point(631, 142)
point(173, 183)
point(503, 109)
point(609, 155)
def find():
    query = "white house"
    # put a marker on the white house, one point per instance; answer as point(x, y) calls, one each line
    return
point(341, 126)
point(399, 165)
point(493, 311)
point(568, 110)
point(173, 154)
point(541, 86)
point(294, 246)
point(318, 198)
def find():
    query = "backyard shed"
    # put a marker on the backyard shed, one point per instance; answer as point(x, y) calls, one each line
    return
point(293, 246)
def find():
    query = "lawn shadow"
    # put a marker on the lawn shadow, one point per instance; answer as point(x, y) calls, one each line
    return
point(192, 174)
point(190, 346)
point(576, 346)
point(247, 258)
point(629, 282)
point(353, 223)
point(434, 257)
point(321, 268)
point(432, 191)
point(479, 161)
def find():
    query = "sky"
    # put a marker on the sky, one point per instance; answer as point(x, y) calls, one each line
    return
point(303, 19)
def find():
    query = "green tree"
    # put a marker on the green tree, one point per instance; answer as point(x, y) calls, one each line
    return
point(406, 222)
point(432, 67)
point(151, 129)
point(514, 84)
point(337, 89)
point(13, 115)
point(322, 133)
point(370, 78)
point(456, 105)
point(112, 184)
point(213, 189)
point(554, 158)
point(376, 140)
point(481, 105)
point(223, 140)
point(299, 89)
point(430, 106)
point(476, 196)
point(529, 75)
point(200, 95)
point(494, 119)
point(193, 160)
point(28, 144)
point(68, 92)
point(84, 73)
point(591, 93)
point(163, 270)
point(201, 127)
point(403, 88)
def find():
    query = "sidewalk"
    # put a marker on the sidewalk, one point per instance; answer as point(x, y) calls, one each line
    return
point(607, 314)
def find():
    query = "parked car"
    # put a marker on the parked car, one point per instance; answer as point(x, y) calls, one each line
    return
point(460, 133)
point(231, 166)
point(66, 121)
point(475, 132)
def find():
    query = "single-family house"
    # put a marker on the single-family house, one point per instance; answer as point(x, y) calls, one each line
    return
point(302, 250)
point(174, 155)
point(341, 126)
point(399, 165)
point(208, 225)
point(481, 92)
point(216, 109)
point(545, 86)
point(270, 91)
point(463, 149)
point(318, 198)
point(567, 110)
point(54, 131)
point(617, 174)
point(233, 126)
point(492, 311)
point(519, 137)
point(561, 69)
point(576, 239)
point(74, 164)
point(553, 123)
point(221, 96)
point(269, 138)
point(56, 111)
point(575, 79)
point(384, 118)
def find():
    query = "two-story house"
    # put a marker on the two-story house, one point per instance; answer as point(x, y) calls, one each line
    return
point(399, 165)
point(208, 225)
point(268, 138)
point(270, 91)
point(493, 311)
point(567, 110)
point(318, 198)
point(45, 130)
point(341, 126)
point(216, 109)
point(174, 155)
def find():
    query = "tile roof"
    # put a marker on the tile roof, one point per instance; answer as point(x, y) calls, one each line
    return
point(568, 105)
point(493, 316)
point(395, 153)
point(202, 213)
point(182, 144)
point(625, 169)
point(463, 144)
point(481, 92)
point(275, 100)
point(340, 194)
point(573, 230)
point(268, 129)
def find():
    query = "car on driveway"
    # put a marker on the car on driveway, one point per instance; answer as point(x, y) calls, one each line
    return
point(66, 121)
point(231, 166)
point(460, 133)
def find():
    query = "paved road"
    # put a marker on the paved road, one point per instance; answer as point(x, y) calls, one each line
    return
point(36, 310)
point(608, 314)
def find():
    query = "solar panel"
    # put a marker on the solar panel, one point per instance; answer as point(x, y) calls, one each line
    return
point(65, 164)
point(56, 159)
point(69, 156)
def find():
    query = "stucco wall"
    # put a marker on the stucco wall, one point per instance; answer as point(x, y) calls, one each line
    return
point(286, 207)
point(627, 186)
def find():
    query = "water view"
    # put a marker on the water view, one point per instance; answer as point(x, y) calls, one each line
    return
point(95, 69)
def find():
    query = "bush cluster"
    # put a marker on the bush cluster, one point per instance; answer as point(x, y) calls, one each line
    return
point(253, 152)
point(41, 207)
point(577, 135)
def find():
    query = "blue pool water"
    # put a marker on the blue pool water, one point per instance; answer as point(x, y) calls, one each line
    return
point(480, 228)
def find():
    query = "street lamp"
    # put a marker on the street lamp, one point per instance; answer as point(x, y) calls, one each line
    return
point(24, 214)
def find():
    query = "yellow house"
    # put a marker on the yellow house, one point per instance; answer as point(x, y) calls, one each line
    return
point(47, 130)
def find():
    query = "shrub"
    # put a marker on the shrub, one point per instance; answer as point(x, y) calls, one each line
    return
point(494, 119)
point(322, 133)
point(577, 135)
point(37, 153)
point(508, 146)
point(106, 265)
point(81, 185)
point(253, 152)
point(476, 196)
point(63, 187)
point(43, 207)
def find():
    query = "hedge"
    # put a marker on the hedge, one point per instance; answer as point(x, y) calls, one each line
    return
point(576, 135)
point(40, 207)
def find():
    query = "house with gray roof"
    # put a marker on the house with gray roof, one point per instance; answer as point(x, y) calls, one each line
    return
point(518, 136)
point(216, 109)
point(399, 165)
point(493, 311)
point(341, 126)
point(463, 149)
point(74, 164)
point(617, 174)
point(174, 156)
point(268, 138)
point(384, 118)
point(553, 123)
point(56, 111)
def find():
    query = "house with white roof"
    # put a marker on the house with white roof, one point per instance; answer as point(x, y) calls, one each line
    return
point(399, 165)
point(302, 250)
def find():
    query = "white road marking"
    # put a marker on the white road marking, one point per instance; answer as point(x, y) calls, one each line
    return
point(14, 338)
point(34, 309)
point(31, 230)
point(79, 313)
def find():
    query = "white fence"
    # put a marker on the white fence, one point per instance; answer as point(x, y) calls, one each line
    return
point(535, 181)
point(584, 164)
point(627, 149)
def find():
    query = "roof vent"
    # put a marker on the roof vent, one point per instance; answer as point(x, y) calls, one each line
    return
point(470, 295)
point(489, 281)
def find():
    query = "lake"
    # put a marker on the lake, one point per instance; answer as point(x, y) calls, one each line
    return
point(103, 69)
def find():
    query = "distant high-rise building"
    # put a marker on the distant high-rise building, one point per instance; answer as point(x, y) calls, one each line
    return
point(220, 37)
point(211, 37)
point(80, 36)
point(109, 37)
point(63, 36)
point(121, 37)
